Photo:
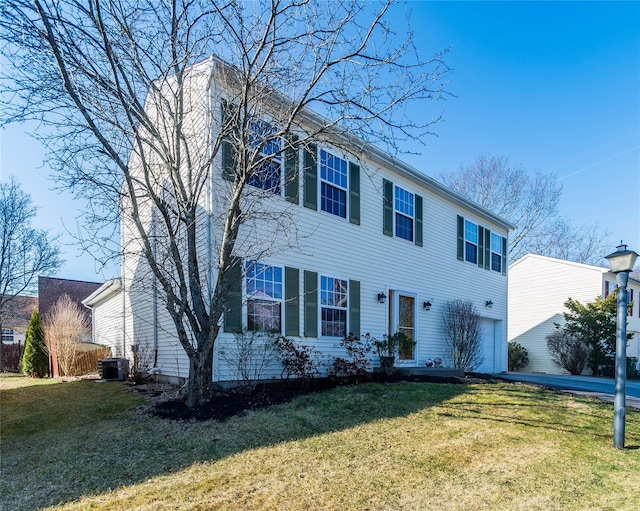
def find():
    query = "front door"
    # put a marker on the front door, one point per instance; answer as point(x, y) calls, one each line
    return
point(403, 318)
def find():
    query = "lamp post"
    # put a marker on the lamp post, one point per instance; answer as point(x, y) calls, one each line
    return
point(621, 261)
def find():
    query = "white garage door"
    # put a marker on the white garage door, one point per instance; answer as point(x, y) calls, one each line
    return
point(491, 342)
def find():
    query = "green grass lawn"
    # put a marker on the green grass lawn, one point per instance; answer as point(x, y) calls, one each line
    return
point(406, 446)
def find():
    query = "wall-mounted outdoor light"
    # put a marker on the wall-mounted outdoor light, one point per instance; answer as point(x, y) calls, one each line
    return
point(382, 297)
point(426, 305)
point(488, 304)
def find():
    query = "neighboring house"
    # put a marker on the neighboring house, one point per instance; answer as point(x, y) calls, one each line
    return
point(50, 290)
point(15, 318)
point(106, 304)
point(538, 288)
point(382, 248)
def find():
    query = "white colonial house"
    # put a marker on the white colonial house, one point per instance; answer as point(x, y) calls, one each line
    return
point(379, 247)
point(538, 288)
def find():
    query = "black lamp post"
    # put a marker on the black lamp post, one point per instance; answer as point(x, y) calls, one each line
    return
point(621, 261)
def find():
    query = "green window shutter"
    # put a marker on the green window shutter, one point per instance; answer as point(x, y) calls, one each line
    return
point(387, 203)
point(354, 307)
point(487, 249)
point(291, 177)
point(233, 298)
point(481, 247)
point(291, 301)
point(354, 193)
point(229, 156)
point(418, 220)
point(504, 256)
point(460, 238)
point(310, 304)
point(311, 177)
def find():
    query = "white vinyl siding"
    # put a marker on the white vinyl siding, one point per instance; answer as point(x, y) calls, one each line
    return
point(538, 288)
point(330, 246)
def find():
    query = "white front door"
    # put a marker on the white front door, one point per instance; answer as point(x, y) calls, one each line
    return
point(403, 318)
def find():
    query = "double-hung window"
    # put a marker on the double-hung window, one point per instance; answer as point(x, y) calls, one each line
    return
point(264, 297)
point(496, 252)
point(403, 204)
point(333, 305)
point(333, 184)
point(7, 335)
point(268, 157)
point(470, 242)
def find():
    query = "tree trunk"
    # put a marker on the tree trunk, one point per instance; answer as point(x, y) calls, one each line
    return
point(200, 382)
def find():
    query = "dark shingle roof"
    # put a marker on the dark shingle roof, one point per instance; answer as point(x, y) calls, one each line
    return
point(51, 289)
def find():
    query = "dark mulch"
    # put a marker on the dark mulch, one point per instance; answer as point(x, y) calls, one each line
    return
point(228, 403)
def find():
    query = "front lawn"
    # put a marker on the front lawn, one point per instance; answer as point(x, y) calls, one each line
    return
point(400, 446)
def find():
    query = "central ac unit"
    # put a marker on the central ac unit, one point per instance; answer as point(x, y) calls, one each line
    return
point(113, 368)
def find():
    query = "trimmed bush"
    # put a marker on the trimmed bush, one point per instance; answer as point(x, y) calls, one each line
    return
point(35, 359)
point(518, 356)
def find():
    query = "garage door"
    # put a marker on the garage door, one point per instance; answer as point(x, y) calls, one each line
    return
point(491, 343)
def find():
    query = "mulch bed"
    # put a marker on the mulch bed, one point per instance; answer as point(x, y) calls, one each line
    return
point(228, 403)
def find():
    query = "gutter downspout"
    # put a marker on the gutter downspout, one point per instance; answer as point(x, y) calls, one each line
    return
point(154, 290)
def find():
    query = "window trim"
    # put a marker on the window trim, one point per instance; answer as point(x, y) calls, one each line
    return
point(280, 301)
point(322, 180)
point(6, 333)
point(468, 242)
point(321, 306)
point(397, 212)
point(493, 252)
point(279, 155)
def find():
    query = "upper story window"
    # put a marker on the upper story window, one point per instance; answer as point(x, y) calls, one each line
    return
point(267, 173)
point(470, 242)
point(609, 287)
point(478, 245)
point(333, 184)
point(403, 203)
point(7, 335)
point(333, 304)
point(496, 252)
point(264, 297)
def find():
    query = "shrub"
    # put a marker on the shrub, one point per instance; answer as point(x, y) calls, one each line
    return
point(251, 353)
point(568, 351)
point(66, 324)
point(142, 362)
point(357, 363)
point(518, 356)
point(594, 323)
point(298, 359)
point(463, 336)
point(35, 358)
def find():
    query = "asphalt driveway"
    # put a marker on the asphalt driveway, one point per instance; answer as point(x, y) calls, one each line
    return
point(602, 388)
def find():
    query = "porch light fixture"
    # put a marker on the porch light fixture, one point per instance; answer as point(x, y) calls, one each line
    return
point(426, 305)
point(382, 297)
point(621, 261)
point(488, 304)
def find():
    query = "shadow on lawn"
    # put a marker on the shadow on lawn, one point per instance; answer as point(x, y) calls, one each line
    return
point(126, 449)
point(108, 451)
point(554, 416)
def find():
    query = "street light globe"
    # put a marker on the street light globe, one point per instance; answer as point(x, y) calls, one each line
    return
point(622, 259)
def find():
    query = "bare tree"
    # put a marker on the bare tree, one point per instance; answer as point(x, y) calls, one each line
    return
point(463, 335)
point(25, 252)
point(133, 94)
point(529, 201)
point(65, 325)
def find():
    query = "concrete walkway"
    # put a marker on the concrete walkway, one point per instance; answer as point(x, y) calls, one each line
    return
point(600, 388)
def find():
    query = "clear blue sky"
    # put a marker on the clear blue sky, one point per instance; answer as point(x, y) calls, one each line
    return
point(553, 86)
